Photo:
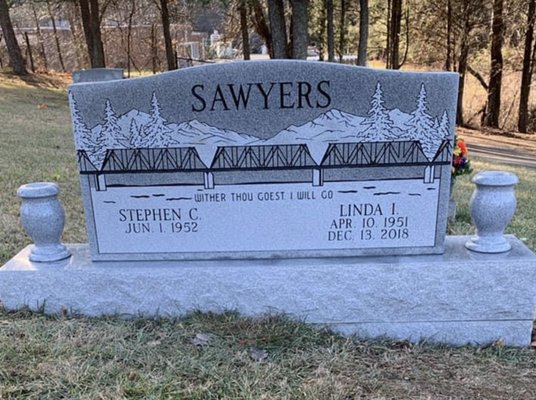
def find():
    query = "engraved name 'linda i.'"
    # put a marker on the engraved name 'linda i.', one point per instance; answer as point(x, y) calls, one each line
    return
point(280, 95)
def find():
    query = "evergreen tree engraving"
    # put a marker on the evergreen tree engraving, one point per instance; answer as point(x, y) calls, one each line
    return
point(99, 151)
point(421, 126)
point(82, 134)
point(113, 137)
point(380, 125)
point(84, 137)
point(108, 137)
point(155, 133)
point(133, 134)
point(444, 126)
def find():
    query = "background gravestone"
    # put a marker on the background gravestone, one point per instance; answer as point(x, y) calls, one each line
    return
point(97, 75)
point(264, 159)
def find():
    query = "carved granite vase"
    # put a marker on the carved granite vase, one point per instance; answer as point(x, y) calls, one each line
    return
point(492, 206)
point(43, 218)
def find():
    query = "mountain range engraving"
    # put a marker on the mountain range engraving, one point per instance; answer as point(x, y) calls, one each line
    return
point(137, 129)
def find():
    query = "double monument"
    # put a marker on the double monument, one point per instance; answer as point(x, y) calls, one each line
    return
point(249, 160)
point(313, 189)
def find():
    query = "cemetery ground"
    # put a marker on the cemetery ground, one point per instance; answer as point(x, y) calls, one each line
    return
point(204, 356)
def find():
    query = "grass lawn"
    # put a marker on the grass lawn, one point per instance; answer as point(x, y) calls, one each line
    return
point(231, 357)
point(43, 357)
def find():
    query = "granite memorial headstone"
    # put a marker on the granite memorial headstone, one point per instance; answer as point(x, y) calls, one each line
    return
point(279, 159)
point(264, 159)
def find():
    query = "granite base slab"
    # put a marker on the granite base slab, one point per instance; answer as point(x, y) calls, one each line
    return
point(459, 297)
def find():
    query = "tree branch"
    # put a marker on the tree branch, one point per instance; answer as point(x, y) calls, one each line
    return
point(478, 77)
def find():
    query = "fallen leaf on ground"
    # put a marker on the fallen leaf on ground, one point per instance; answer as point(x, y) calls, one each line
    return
point(258, 355)
point(201, 340)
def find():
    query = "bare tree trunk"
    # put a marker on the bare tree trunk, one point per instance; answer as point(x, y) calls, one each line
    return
point(406, 51)
point(494, 88)
point(276, 15)
point(261, 27)
point(29, 51)
point(330, 31)
point(462, 69)
point(13, 49)
point(129, 37)
point(55, 32)
point(74, 18)
point(243, 10)
point(42, 52)
point(394, 33)
point(342, 31)
point(454, 54)
point(170, 54)
point(89, 12)
point(526, 76)
point(154, 50)
point(85, 16)
point(322, 31)
point(98, 47)
point(448, 61)
point(363, 32)
point(388, 38)
point(300, 24)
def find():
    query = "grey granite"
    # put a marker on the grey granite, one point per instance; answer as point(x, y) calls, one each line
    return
point(43, 218)
point(511, 332)
point(458, 297)
point(209, 162)
point(97, 75)
point(492, 205)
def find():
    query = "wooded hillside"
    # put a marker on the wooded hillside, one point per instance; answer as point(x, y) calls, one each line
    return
point(490, 43)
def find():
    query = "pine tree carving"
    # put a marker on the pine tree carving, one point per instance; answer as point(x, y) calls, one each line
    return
point(114, 138)
point(155, 133)
point(82, 134)
point(380, 125)
point(444, 126)
point(421, 126)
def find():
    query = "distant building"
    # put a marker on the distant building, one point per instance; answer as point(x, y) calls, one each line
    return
point(215, 38)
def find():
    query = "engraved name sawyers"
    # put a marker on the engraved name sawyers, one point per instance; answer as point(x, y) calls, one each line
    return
point(282, 95)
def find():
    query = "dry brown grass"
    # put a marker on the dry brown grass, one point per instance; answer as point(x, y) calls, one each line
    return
point(110, 358)
point(52, 80)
